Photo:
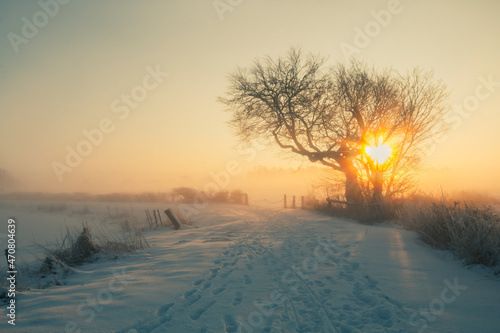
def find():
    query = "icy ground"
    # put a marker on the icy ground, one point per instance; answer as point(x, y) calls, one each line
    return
point(251, 269)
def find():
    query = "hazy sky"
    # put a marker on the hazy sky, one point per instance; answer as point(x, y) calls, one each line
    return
point(81, 65)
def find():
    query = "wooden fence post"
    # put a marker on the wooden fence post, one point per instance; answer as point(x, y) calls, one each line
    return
point(156, 219)
point(148, 217)
point(159, 216)
point(284, 201)
point(302, 203)
point(293, 202)
point(177, 224)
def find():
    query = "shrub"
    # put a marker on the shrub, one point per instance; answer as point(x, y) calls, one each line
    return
point(367, 213)
point(237, 197)
point(78, 248)
point(469, 231)
point(220, 196)
point(188, 194)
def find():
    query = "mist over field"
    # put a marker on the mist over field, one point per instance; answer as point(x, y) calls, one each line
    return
point(238, 166)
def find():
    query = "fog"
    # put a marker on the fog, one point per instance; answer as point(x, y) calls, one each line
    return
point(122, 97)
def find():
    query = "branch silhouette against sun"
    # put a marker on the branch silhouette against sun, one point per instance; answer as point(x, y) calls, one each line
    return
point(331, 114)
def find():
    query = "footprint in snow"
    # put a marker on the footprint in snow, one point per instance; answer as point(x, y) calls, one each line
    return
point(230, 324)
point(226, 274)
point(193, 299)
point(319, 283)
point(371, 282)
point(230, 263)
point(189, 293)
point(160, 312)
point(346, 276)
point(238, 298)
point(218, 291)
point(196, 314)
point(247, 279)
point(359, 292)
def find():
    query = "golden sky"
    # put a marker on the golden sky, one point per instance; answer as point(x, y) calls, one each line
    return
point(146, 76)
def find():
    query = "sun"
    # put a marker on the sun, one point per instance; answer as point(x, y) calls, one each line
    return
point(379, 153)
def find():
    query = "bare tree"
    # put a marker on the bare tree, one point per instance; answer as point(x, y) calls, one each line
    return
point(329, 115)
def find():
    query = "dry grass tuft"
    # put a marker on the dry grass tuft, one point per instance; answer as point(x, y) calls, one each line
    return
point(470, 231)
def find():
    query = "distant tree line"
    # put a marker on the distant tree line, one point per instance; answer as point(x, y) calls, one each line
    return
point(183, 194)
point(191, 195)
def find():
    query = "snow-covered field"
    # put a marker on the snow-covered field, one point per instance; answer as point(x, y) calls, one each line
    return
point(255, 269)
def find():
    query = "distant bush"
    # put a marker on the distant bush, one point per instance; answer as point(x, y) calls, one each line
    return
point(469, 231)
point(191, 195)
point(237, 197)
point(186, 193)
point(220, 196)
point(79, 196)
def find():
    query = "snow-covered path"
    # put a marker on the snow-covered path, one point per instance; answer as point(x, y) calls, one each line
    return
point(283, 275)
point(293, 271)
point(250, 269)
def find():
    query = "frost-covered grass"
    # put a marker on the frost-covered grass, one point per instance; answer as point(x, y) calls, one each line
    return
point(78, 247)
point(465, 223)
point(470, 231)
point(74, 249)
point(104, 233)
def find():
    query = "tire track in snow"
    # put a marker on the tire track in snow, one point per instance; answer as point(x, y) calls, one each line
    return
point(281, 287)
point(351, 296)
point(346, 302)
point(190, 308)
point(284, 267)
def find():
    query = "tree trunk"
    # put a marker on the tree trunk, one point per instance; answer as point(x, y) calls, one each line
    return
point(377, 180)
point(353, 191)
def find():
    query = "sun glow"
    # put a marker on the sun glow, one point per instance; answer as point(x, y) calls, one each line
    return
point(379, 153)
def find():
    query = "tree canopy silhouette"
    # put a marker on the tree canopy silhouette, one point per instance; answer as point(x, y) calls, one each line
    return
point(331, 114)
